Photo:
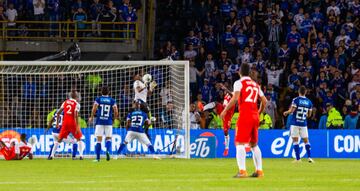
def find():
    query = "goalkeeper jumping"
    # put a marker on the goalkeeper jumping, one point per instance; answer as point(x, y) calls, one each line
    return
point(143, 87)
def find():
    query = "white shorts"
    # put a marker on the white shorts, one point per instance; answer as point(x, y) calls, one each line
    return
point(296, 131)
point(141, 137)
point(69, 139)
point(101, 130)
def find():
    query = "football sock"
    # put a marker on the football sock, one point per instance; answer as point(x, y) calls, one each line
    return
point(98, 150)
point(227, 141)
point(108, 145)
point(55, 147)
point(151, 148)
point(122, 146)
point(81, 149)
point(241, 156)
point(51, 148)
point(308, 150)
point(257, 157)
point(297, 151)
point(74, 150)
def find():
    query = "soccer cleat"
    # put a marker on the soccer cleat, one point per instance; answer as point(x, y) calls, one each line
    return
point(226, 152)
point(296, 161)
point(50, 158)
point(107, 156)
point(156, 158)
point(81, 158)
point(310, 160)
point(241, 174)
point(258, 174)
point(96, 160)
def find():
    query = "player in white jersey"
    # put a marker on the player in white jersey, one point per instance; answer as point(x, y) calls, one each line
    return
point(143, 89)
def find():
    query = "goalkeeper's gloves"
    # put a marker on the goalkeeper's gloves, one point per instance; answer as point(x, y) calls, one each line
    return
point(153, 85)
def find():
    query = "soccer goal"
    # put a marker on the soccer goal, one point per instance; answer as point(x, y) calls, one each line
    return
point(30, 93)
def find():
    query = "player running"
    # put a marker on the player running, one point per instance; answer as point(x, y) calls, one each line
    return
point(219, 107)
point(247, 93)
point(106, 111)
point(70, 123)
point(56, 131)
point(301, 108)
point(136, 121)
point(16, 151)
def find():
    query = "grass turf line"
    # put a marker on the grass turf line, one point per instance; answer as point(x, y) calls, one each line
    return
point(177, 174)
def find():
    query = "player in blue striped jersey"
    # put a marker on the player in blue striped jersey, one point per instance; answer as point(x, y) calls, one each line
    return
point(56, 131)
point(301, 108)
point(106, 111)
point(136, 123)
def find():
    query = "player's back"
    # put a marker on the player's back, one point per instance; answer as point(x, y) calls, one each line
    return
point(249, 94)
point(303, 105)
point(137, 119)
point(70, 107)
point(104, 113)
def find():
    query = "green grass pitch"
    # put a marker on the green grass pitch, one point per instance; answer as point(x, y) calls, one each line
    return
point(177, 174)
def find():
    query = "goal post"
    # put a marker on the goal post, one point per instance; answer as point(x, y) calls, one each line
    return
point(30, 93)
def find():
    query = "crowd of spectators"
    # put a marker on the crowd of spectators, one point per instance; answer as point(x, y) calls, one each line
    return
point(287, 43)
point(93, 11)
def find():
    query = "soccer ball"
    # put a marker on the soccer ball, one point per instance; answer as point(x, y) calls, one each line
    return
point(147, 78)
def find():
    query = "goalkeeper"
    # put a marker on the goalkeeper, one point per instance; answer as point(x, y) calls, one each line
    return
point(143, 87)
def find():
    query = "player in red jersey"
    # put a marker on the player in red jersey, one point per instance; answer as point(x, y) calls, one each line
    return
point(227, 119)
point(247, 93)
point(218, 106)
point(16, 151)
point(70, 123)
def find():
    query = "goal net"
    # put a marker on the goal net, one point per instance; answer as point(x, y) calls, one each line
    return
point(31, 92)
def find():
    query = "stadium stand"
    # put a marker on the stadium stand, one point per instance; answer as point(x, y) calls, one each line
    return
point(288, 43)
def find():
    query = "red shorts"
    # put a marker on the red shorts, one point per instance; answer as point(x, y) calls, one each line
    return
point(227, 121)
point(68, 128)
point(8, 153)
point(247, 128)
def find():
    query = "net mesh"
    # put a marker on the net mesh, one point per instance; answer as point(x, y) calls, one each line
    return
point(31, 92)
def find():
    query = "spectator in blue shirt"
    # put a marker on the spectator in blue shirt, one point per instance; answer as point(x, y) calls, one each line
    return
point(225, 8)
point(351, 119)
point(53, 7)
point(318, 19)
point(206, 91)
point(79, 17)
point(306, 25)
point(241, 38)
point(192, 39)
point(130, 16)
point(294, 80)
point(293, 39)
point(95, 10)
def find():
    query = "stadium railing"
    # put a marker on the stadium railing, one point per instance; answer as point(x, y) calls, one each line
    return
point(68, 30)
